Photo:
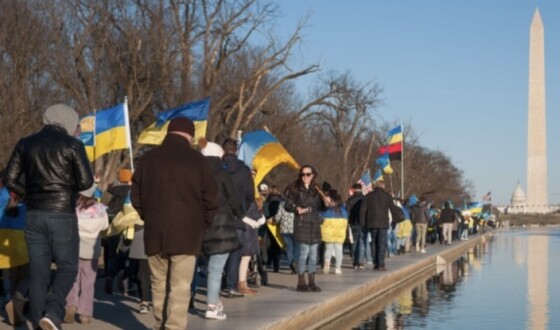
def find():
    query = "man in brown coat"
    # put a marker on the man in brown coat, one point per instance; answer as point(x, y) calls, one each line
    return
point(175, 193)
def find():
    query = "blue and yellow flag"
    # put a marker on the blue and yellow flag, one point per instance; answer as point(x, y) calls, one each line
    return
point(475, 207)
point(261, 151)
point(87, 135)
point(195, 111)
point(378, 175)
point(105, 131)
point(333, 228)
point(385, 163)
point(13, 248)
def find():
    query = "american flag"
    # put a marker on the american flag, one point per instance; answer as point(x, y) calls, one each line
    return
point(366, 183)
point(487, 197)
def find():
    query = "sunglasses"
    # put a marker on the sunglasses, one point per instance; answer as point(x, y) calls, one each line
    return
point(306, 174)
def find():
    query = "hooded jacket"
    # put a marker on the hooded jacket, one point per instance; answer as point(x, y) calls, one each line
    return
point(242, 180)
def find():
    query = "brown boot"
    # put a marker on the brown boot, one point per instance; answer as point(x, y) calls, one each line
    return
point(84, 319)
point(70, 314)
point(312, 286)
point(301, 285)
point(243, 288)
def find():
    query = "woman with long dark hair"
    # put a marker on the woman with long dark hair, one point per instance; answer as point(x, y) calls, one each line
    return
point(303, 198)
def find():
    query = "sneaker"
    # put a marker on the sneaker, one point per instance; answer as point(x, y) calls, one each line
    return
point(144, 308)
point(214, 312)
point(423, 251)
point(338, 271)
point(46, 323)
point(231, 293)
point(361, 266)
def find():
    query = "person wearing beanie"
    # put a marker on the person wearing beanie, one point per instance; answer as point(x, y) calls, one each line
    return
point(92, 219)
point(56, 168)
point(175, 193)
point(221, 238)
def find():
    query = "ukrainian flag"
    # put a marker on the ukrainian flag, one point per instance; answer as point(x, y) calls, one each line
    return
point(105, 131)
point(195, 111)
point(378, 176)
point(385, 163)
point(333, 229)
point(87, 135)
point(475, 207)
point(13, 248)
point(261, 151)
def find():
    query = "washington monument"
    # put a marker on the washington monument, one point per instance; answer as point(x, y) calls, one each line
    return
point(537, 189)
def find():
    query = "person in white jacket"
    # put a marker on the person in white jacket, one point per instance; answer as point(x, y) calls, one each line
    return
point(92, 219)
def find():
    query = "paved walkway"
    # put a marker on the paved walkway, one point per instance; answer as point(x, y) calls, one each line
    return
point(278, 306)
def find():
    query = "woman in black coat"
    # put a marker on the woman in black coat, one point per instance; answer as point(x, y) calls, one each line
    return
point(303, 199)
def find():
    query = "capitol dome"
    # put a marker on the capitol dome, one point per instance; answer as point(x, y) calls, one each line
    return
point(518, 196)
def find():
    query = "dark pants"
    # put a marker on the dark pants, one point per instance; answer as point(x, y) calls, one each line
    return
point(232, 267)
point(51, 236)
point(378, 246)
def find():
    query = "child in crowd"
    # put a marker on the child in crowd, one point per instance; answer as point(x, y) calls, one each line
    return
point(92, 219)
point(333, 232)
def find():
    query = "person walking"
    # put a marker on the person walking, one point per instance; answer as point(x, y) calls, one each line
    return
point(176, 196)
point(374, 216)
point(420, 216)
point(303, 199)
point(56, 168)
point(446, 219)
point(353, 206)
point(92, 219)
point(333, 232)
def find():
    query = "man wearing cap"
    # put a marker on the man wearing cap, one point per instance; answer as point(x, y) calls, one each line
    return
point(55, 167)
point(175, 193)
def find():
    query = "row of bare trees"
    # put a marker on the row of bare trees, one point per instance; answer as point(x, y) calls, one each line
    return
point(92, 54)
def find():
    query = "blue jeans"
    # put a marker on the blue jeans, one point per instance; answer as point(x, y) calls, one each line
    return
point(305, 251)
point(216, 265)
point(291, 247)
point(378, 246)
point(51, 236)
point(358, 253)
point(392, 241)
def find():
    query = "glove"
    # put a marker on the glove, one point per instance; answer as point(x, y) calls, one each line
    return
point(261, 221)
point(252, 223)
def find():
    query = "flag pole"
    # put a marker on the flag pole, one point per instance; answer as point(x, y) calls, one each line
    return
point(402, 163)
point(94, 136)
point(128, 137)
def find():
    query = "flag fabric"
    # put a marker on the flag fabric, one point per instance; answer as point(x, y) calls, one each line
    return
point(105, 131)
point(13, 250)
point(394, 144)
point(487, 197)
point(87, 134)
point(111, 127)
point(261, 151)
point(333, 228)
point(196, 111)
point(385, 163)
point(365, 181)
point(475, 207)
point(378, 176)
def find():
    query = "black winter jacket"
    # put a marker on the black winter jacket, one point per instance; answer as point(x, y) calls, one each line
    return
point(375, 208)
point(242, 180)
point(307, 226)
point(353, 205)
point(55, 167)
point(221, 236)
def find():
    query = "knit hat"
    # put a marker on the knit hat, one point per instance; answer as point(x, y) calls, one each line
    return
point(212, 149)
point(181, 124)
point(125, 175)
point(62, 115)
point(89, 192)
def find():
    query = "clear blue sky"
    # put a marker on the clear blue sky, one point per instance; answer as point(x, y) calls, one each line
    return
point(457, 70)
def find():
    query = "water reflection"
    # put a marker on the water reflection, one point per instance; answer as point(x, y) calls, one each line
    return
point(537, 279)
point(501, 284)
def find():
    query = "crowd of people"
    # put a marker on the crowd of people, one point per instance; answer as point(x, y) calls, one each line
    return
point(183, 215)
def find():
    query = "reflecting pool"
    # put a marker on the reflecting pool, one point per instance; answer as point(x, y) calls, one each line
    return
point(510, 282)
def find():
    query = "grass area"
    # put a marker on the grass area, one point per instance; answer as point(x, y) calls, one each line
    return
point(531, 219)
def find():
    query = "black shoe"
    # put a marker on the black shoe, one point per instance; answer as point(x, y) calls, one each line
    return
point(49, 323)
point(232, 293)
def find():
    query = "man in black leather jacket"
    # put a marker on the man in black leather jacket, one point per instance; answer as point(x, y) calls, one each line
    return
point(55, 168)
